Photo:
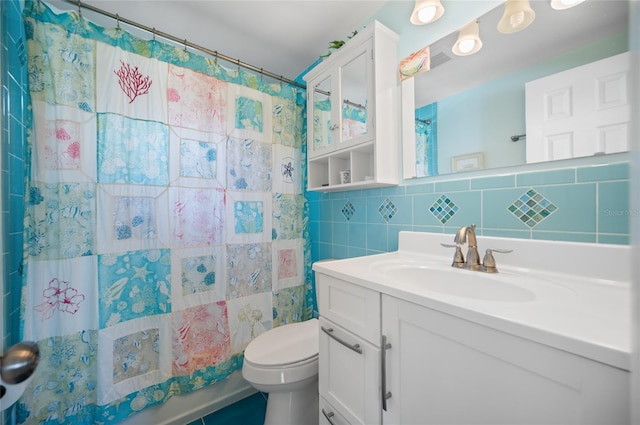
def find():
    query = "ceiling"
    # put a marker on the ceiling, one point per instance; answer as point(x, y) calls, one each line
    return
point(282, 37)
point(285, 37)
point(552, 33)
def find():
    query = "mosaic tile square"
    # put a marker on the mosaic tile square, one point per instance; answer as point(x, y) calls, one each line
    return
point(387, 210)
point(348, 210)
point(443, 209)
point(532, 208)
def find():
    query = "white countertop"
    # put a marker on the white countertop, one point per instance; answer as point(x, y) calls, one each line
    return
point(580, 301)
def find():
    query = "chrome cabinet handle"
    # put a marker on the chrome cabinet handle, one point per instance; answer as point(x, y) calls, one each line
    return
point(329, 416)
point(354, 347)
point(386, 395)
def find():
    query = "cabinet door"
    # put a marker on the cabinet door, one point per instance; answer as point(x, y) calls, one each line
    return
point(321, 106)
point(446, 370)
point(356, 87)
point(349, 376)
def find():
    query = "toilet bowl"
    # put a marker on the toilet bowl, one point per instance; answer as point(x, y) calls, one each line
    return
point(283, 362)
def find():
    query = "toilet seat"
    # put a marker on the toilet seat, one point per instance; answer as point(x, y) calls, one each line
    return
point(284, 355)
point(284, 345)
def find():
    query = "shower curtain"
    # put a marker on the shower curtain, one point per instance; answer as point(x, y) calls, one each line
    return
point(166, 225)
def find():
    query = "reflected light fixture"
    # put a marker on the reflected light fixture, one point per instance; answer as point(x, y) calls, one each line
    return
point(468, 41)
point(517, 16)
point(564, 4)
point(426, 11)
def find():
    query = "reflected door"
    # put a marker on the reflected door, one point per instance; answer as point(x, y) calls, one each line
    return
point(580, 112)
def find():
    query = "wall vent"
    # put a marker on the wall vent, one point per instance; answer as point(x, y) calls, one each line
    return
point(439, 58)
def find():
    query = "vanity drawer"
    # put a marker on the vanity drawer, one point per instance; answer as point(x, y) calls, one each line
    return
point(329, 415)
point(353, 307)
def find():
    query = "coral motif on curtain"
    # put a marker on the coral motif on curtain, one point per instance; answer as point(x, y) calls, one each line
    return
point(166, 224)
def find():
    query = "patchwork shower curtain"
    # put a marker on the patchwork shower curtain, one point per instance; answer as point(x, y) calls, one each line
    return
point(165, 225)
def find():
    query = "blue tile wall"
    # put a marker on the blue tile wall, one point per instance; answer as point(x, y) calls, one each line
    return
point(584, 204)
point(14, 118)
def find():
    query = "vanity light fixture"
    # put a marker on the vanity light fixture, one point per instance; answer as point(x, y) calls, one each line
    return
point(564, 4)
point(468, 41)
point(517, 16)
point(426, 11)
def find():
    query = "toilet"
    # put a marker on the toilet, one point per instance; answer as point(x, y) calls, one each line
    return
point(283, 362)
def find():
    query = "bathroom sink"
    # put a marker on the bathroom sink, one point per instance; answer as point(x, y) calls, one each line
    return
point(454, 282)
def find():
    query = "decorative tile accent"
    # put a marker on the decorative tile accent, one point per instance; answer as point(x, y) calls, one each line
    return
point(387, 210)
point(443, 209)
point(348, 210)
point(531, 208)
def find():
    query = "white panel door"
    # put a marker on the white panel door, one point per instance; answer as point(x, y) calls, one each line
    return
point(580, 112)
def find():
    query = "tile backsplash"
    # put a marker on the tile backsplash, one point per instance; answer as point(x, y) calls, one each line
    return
point(584, 204)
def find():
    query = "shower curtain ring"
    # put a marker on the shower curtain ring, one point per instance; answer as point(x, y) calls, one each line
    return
point(185, 44)
point(153, 32)
point(117, 22)
point(79, 9)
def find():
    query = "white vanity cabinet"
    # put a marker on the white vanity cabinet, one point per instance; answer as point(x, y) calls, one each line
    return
point(437, 368)
point(352, 108)
point(445, 370)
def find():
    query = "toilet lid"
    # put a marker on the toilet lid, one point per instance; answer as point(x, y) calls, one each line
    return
point(286, 344)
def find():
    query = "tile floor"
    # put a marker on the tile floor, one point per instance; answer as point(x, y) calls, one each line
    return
point(248, 411)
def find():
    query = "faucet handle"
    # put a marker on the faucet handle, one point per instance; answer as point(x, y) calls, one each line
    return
point(489, 263)
point(458, 259)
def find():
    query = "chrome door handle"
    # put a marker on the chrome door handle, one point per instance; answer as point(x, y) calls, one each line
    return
point(353, 347)
point(329, 416)
point(386, 395)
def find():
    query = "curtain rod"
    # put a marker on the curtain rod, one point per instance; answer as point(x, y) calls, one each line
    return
point(185, 43)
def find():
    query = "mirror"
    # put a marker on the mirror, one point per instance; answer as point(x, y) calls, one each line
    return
point(348, 88)
point(322, 115)
point(468, 112)
point(354, 98)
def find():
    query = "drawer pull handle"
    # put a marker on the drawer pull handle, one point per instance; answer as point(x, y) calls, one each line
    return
point(386, 395)
point(328, 416)
point(354, 347)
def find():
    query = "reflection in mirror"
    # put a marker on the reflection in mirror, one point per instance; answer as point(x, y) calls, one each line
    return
point(322, 115)
point(475, 104)
point(354, 98)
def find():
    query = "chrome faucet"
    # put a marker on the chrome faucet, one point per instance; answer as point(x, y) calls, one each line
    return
point(467, 235)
